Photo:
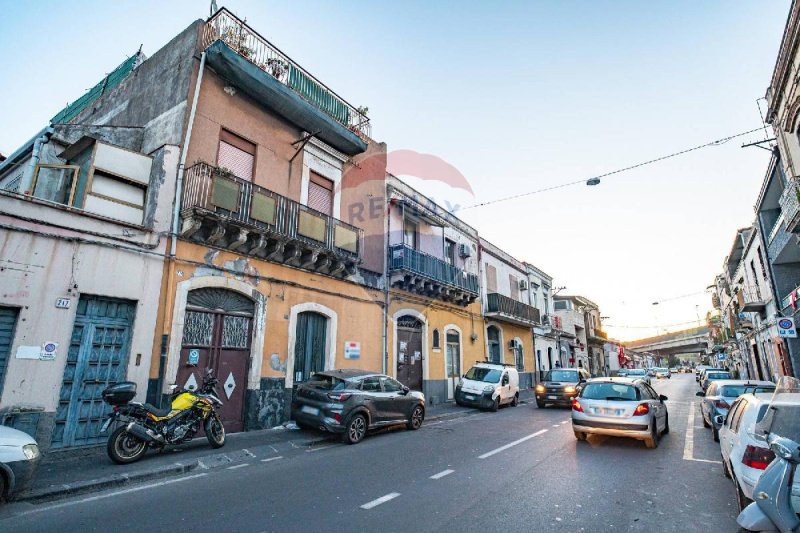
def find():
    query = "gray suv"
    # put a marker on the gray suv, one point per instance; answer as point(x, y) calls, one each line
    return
point(351, 402)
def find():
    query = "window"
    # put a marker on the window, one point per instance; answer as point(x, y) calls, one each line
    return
point(237, 155)
point(371, 384)
point(320, 194)
point(561, 305)
point(737, 416)
point(519, 356)
point(437, 342)
point(491, 279)
point(761, 263)
point(650, 392)
point(391, 385)
point(410, 233)
point(55, 183)
point(450, 251)
point(546, 304)
point(493, 340)
point(514, 286)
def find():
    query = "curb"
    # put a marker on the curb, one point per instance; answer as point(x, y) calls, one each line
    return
point(116, 480)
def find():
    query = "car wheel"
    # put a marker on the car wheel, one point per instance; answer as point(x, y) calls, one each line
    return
point(540, 405)
point(742, 501)
point(3, 487)
point(652, 441)
point(515, 401)
point(716, 433)
point(459, 403)
point(495, 405)
point(580, 435)
point(666, 425)
point(417, 416)
point(356, 429)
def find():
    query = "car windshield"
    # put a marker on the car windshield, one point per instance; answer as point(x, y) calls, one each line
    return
point(480, 373)
point(570, 376)
point(610, 391)
point(324, 382)
point(717, 375)
point(733, 391)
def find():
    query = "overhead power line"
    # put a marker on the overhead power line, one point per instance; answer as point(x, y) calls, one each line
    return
point(654, 327)
point(717, 142)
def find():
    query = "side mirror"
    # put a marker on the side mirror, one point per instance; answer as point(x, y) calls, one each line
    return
point(718, 420)
point(662, 397)
point(700, 393)
point(405, 389)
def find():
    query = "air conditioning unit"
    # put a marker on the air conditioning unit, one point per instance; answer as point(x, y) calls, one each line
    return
point(464, 250)
point(512, 344)
point(523, 284)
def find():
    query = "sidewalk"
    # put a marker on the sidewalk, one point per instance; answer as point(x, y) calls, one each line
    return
point(67, 473)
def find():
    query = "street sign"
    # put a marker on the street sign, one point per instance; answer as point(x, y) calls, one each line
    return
point(352, 350)
point(786, 327)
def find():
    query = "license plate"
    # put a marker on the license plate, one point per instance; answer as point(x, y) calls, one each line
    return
point(105, 425)
point(469, 396)
point(309, 410)
point(552, 397)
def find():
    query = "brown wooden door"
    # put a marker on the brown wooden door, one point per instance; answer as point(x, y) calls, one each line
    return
point(409, 352)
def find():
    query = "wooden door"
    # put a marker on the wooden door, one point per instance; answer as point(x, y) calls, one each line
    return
point(310, 345)
point(409, 352)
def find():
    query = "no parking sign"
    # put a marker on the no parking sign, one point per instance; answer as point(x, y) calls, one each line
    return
point(786, 327)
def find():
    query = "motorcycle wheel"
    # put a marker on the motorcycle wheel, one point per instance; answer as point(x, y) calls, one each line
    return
point(215, 431)
point(124, 448)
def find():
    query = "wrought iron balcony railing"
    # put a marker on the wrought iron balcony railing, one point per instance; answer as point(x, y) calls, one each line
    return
point(402, 257)
point(790, 206)
point(245, 41)
point(264, 212)
point(751, 299)
point(508, 307)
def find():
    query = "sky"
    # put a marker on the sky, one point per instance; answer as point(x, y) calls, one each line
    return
point(518, 96)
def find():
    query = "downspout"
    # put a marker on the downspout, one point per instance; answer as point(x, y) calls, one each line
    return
point(386, 213)
point(27, 178)
point(182, 165)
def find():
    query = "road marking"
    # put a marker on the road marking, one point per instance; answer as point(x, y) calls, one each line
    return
point(234, 467)
point(271, 459)
point(110, 494)
point(688, 444)
point(557, 425)
point(441, 474)
point(382, 499)
point(321, 448)
point(566, 421)
point(510, 444)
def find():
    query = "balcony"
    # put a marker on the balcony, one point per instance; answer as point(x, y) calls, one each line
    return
point(504, 308)
point(790, 206)
point(223, 211)
point(600, 334)
point(259, 68)
point(750, 299)
point(415, 271)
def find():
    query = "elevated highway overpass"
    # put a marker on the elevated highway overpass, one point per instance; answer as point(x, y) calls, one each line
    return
point(694, 340)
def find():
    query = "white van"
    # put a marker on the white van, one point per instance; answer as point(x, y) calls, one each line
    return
point(488, 386)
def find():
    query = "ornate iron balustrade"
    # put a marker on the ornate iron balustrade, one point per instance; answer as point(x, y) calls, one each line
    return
point(790, 206)
point(402, 257)
point(245, 41)
point(503, 305)
point(262, 214)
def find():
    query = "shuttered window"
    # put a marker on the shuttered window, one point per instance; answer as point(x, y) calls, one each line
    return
point(491, 279)
point(320, 194)
point(8, 319)
point(237, 155)
point(514, 283)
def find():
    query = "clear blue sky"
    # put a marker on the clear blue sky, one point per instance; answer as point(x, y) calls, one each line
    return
point(517, 96)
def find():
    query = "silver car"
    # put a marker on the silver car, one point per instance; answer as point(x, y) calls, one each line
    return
point(620, 407)
point(638, 373)
point(721, 394)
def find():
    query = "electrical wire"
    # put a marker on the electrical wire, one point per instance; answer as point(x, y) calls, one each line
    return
point(654, 327)
point(717, 142)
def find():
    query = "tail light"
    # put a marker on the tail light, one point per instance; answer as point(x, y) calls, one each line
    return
point(641, 409)
point(116, 408)
point(757, 457)
point(337, 397)
point(576, 405)
point(337, 417)
point(721, 404)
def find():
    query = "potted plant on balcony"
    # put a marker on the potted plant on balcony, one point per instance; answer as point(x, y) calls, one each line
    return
point(236, 39)
point(277, 67)
point(222, 172)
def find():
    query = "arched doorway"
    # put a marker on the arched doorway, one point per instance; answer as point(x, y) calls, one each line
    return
point(310, 345)
point(493, 340)
point(217, 333)
point(409, 352)
point(452, 361)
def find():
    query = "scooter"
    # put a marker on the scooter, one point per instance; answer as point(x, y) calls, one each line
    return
point(772, 508)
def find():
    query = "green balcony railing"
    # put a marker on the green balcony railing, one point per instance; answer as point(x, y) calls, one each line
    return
point(497, 303)
point(402, 257)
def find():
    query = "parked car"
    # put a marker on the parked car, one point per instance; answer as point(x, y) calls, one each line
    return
point(709, 369)
point(639, 373)
point(19, 457)
point(662, 373)
point(673, 370)
point(351, 402)
point(620, 407)
point(488, 386)
point(713, 375)
point(721, 394)
point(745, 455)
point(560, 386)
point(622, 372)
point(699, 370)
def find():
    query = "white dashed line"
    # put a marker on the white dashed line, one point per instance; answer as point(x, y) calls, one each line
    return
point(510, 444)
point(268, 459)
point(321, 448)
point(557, 425)
point(382, 499)
point(234, 467)
point(441, 474)
point(688, 444)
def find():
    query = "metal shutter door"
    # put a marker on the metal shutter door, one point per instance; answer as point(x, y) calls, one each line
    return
point(8, 319)
point(236, 160)
point(320, 198)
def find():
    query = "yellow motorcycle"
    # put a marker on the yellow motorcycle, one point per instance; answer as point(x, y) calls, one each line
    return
point(142, 426)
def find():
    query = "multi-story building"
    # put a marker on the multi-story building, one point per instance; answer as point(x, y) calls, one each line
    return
point(509, 313)
point(572, 331)
point(540, 285)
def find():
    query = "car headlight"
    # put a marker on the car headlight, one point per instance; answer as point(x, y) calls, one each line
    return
point(488, 388)
point(31, 451)
point(540, 388)
point(569, 389)
point(460, 382)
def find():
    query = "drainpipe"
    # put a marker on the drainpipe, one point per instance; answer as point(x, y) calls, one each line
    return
point(27, 178)
point(386, 280)
point(182, 165)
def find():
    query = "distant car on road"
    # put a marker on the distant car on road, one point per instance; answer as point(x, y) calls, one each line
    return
point(662, 373)
point(19, 457)
point(712, 375)
point(352, 401)
point(488, 386)
point(639, 373)
point(721, 394)
point(699, 370)
point(673, 370)
point(560, 386)
point(620, 407)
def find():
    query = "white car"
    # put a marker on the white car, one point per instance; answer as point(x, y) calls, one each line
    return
point(488, 386)
point(745, 455)
point(19, 456)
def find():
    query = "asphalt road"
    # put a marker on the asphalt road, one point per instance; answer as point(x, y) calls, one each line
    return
point(518, 469)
